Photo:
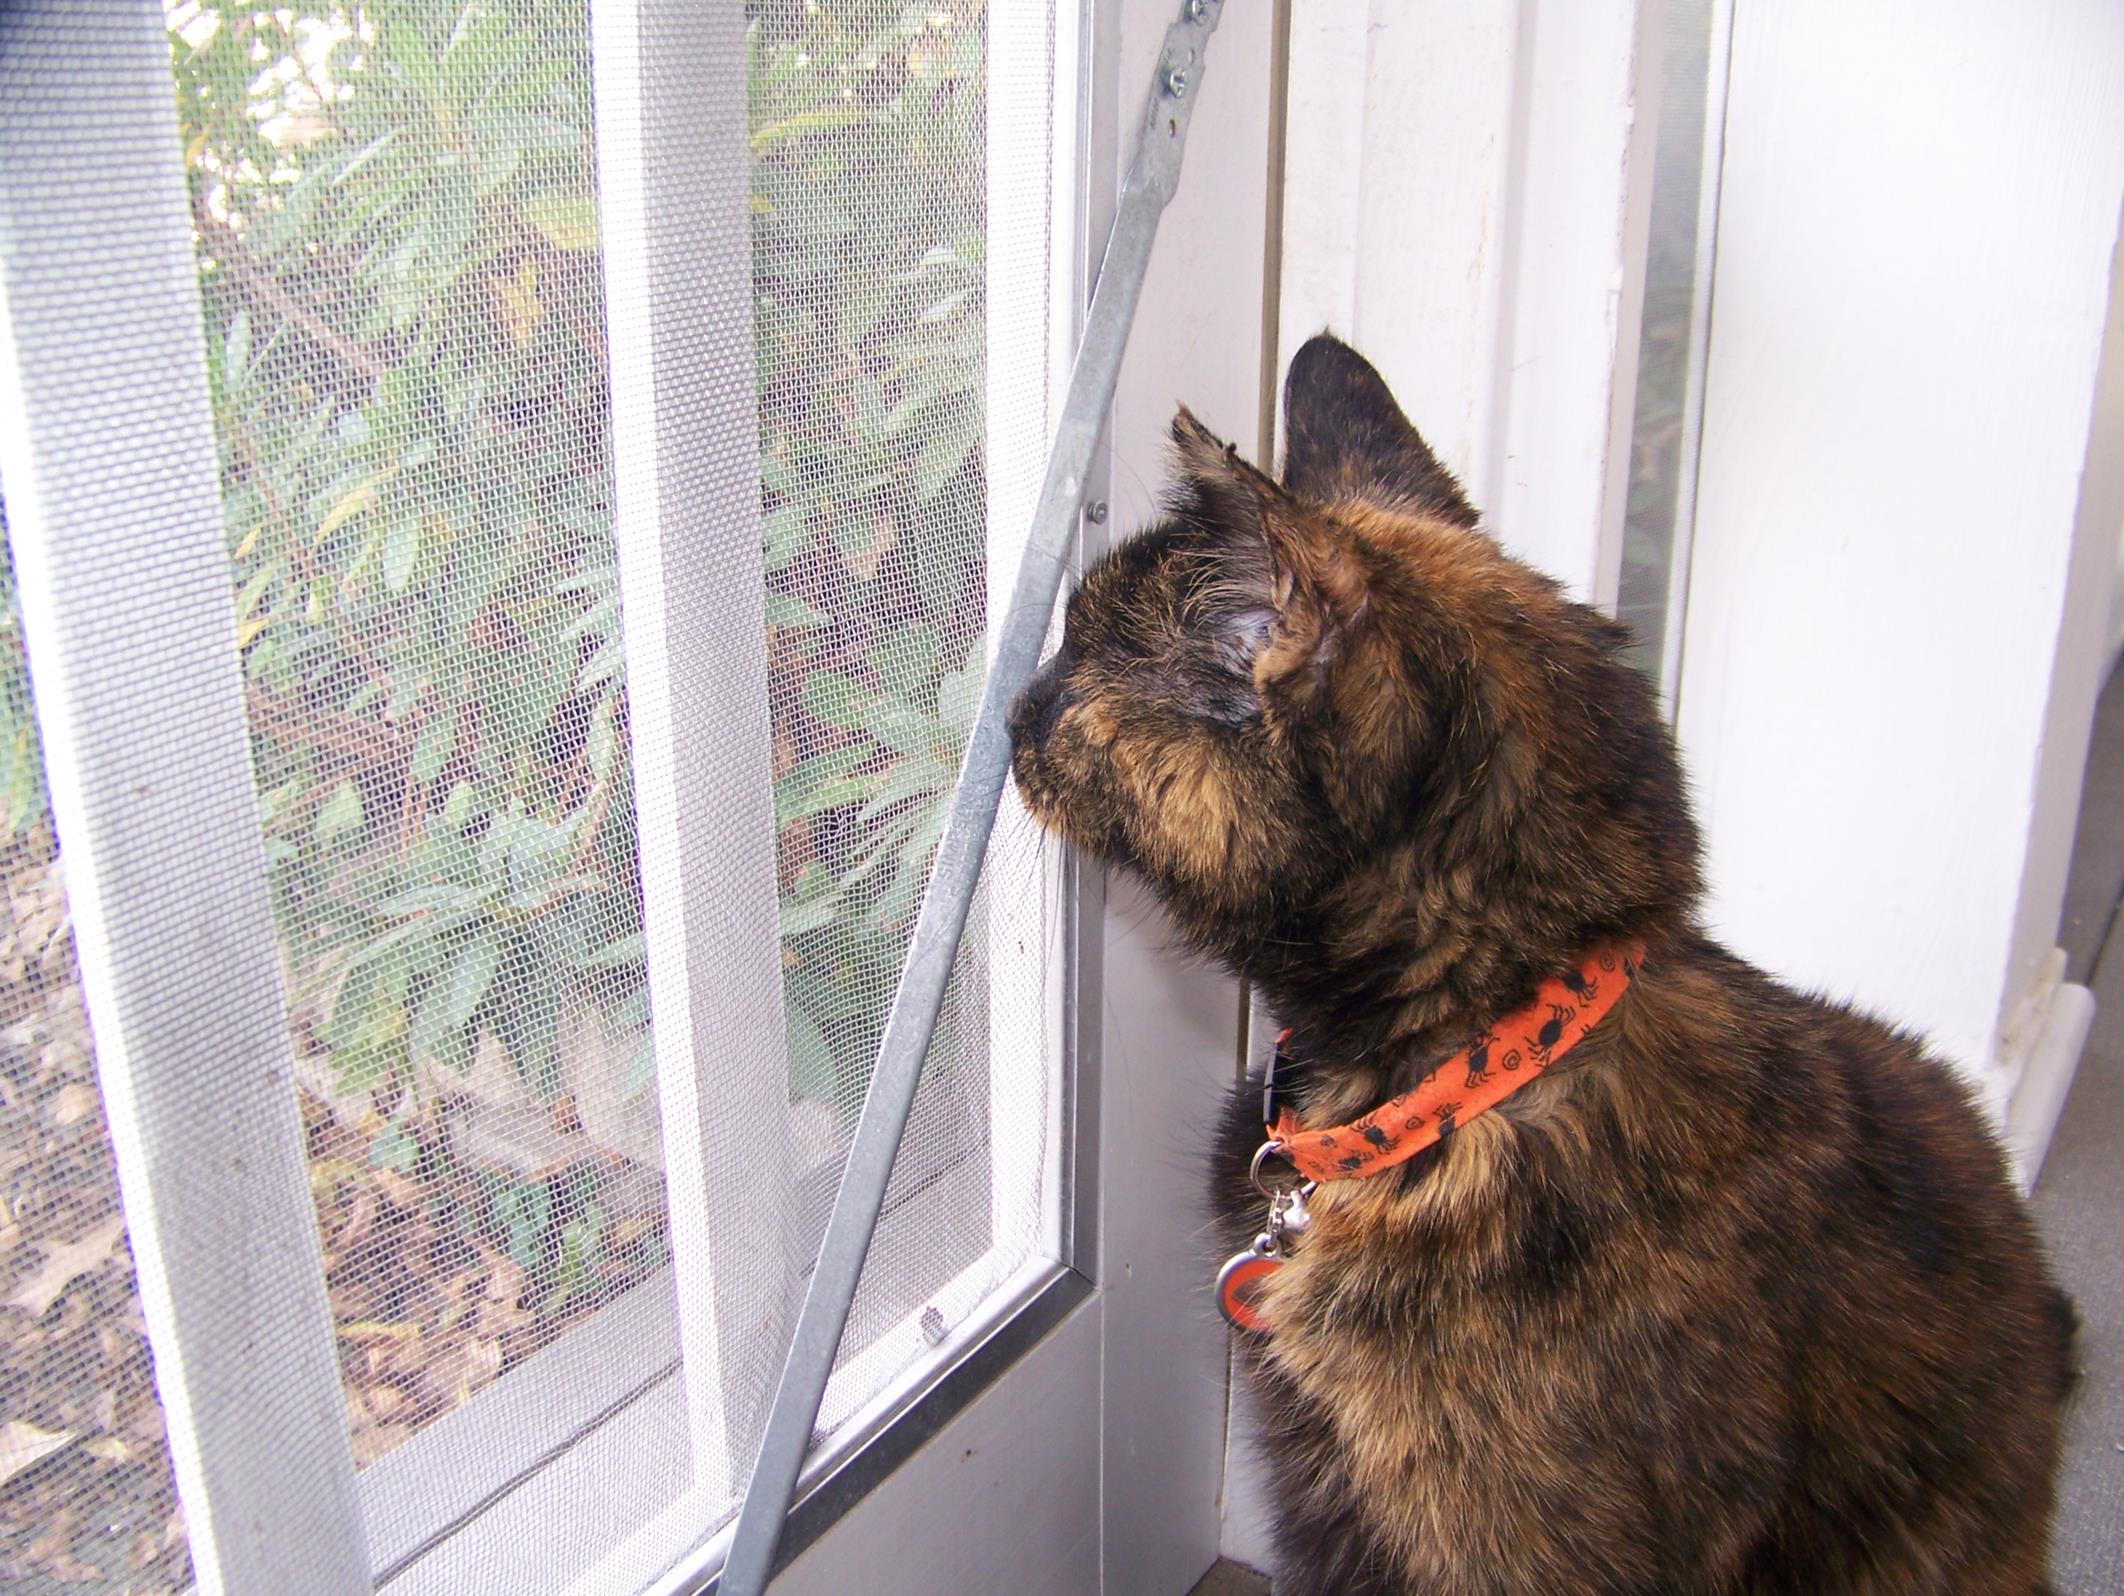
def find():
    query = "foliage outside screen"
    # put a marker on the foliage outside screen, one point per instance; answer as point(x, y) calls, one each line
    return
point(398, 243)
point(397, 232)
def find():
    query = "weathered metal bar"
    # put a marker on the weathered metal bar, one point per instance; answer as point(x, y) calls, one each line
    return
point(1153, 175)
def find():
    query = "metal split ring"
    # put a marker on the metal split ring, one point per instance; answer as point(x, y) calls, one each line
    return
point(1253, 1172)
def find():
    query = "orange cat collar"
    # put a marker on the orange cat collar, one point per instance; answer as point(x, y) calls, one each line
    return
point(1479, 1077)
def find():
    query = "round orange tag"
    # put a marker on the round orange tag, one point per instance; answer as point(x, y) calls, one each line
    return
point(1239, 1285)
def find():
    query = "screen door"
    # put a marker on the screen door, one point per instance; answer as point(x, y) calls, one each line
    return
point(507, 503)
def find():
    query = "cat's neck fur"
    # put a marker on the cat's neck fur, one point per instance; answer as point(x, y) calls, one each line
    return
point(1411, 951)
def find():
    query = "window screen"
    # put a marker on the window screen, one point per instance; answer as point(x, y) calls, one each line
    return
point(86, 1499)
point(401, 252)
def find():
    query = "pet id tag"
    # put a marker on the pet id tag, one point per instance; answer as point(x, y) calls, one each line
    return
point(1240, 1281)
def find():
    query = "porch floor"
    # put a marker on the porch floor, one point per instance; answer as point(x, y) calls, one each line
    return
point(2079, 1196)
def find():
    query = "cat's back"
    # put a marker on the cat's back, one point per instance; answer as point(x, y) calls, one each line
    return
point(1765, 1235)
point(1876, 1140)
point(1929, 1351)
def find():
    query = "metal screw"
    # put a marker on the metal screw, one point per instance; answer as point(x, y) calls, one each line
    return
point(1095, 512)
point(1176, 83)
point(1197, 10)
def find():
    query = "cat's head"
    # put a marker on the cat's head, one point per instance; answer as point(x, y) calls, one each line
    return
point(1332, 710)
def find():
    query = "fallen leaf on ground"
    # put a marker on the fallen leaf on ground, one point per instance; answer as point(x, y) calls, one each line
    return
point(74, 1101)
point(63, 1264)
point(23, 1444)
point(505, 1282)
point(377, 1330)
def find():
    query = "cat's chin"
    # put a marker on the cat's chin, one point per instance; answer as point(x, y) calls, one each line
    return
point(1112, 852)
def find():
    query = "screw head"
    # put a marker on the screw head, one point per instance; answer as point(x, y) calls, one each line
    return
point(1176, 83)
point(1095, 512)
point(1197, 10)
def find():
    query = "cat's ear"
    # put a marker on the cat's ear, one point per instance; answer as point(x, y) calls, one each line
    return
point(1288, 580)
point(1347, 438)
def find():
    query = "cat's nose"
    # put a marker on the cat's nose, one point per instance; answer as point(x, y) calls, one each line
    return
point(1038, 706)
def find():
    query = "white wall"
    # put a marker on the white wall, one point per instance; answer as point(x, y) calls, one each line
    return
point(1918, 211)
point(1466, 188)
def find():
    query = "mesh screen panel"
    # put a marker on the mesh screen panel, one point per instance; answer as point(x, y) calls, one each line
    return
point(883, 413)
point(401, 276)
point(86, 1498)
point(399, 273)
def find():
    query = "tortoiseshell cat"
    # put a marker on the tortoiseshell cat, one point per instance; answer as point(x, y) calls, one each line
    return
point(1736, 1297)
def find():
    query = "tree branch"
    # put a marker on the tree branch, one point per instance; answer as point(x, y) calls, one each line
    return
point(228, 248)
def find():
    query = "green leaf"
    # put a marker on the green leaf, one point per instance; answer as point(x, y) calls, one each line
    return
point(470, 973)
point(350, 504)
point(254, 589)
point(641, 1069)
point(810, 1056)
point(784, 534)
point(236, 352)
point(406, 48)
point(822, 782)
point(943, 452)
point(821, 119)
point(833, 698)
point(907, 657)
point(813, 903)
point(495, 156)
point(433, 747)
point(601, 743)
point(617, 954)
point(459, 806)
point(25, 783)
point(529, 1021)
point(340, 815)
point(869, 404)
point(567, 221)
point(945, 306)
point(912, 871)
point(862, 304)
point(359, 1068)
point(792, 614)
point(401, 550)
point(959, 695)
point(395, 1147)
point(363, 156)
point(909, 731)
point(912, 777)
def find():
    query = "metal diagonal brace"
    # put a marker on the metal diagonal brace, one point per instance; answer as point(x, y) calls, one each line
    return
point(1153, 175)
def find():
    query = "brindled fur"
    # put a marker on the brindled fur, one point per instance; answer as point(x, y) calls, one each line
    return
point(1737, 1297)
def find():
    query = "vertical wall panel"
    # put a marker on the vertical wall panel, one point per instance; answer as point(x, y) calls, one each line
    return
point(1916, 223)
